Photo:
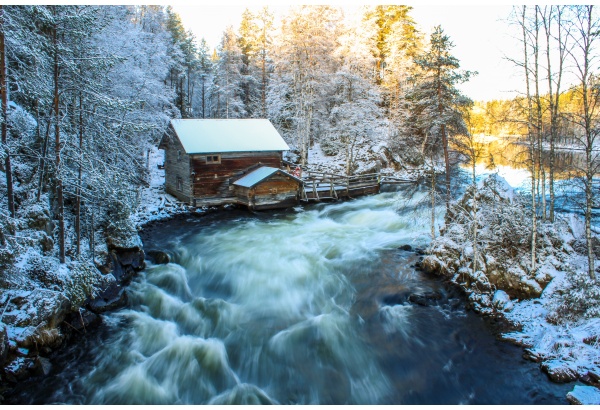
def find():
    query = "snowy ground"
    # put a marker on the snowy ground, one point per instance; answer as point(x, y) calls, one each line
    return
point(569, 348)
point(367, 160)
point(155, 203)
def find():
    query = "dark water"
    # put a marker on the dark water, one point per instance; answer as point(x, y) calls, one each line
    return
point(313, 306)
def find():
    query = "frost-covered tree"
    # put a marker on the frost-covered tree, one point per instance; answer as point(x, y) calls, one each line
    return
point(4, 112)
point(435, 103)
point(584, 57)
point(255, 41)
point(228, 80)
point(302, 85)
point(397, 43)
point(88, 85)
point(356, 117)
point(202, 98)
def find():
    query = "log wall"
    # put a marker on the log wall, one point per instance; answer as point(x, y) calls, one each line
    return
point(277, 191)
point(177, 166)
point(216, 180)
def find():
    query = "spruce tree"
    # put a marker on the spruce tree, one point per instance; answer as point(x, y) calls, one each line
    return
point(435, 102)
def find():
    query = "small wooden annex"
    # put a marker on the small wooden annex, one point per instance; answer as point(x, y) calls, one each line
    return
point(205, 157)
point(267, 188)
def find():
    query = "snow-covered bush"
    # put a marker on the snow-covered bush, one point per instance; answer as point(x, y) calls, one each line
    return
point(580, 298)
point(81, 283)
point(120, 226)
point(500, 257)
point(7, 252)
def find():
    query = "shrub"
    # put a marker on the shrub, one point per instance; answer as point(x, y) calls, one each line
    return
point(579, 299)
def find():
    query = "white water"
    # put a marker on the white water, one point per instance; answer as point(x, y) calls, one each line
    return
point(291, 308)
point(265, 302)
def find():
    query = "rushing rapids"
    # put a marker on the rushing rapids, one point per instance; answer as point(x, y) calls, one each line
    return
point(311, 306)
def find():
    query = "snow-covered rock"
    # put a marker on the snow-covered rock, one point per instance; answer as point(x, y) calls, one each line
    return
point(584, 395)
point(560, 371)
point(501, 301)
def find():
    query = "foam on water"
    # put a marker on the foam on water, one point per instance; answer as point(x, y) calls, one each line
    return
point(285, 308)
point(263, 301)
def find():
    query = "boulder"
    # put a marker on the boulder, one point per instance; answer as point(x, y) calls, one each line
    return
point(19, 369)
point(501, 301)
point(559, 372)
point(425, 299)
point(42, 366)
point(124, 241)
point(515, 282)
point(80, 321)
point(431, 264)
point(134, 258)
point(110, 298)
point(594, 375)
point(406, 248)
point(38, 217)
point(533, 355)
point(36, 308)
point(395, 299)
point(158, 257)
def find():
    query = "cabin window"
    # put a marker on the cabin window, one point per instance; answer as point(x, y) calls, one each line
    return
point(213, 159)
point(179, 184)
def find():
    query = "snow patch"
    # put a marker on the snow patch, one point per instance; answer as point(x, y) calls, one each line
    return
point(584, 395)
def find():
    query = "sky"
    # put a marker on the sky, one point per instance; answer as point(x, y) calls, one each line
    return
point(481, 36)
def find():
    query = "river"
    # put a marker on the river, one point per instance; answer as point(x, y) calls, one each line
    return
point(315, 305)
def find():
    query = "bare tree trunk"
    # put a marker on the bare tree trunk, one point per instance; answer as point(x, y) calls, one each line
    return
point(432, 193)
point(203, 96)
point(189, 93)
point(553, 95)
point(264, 79)
point(92, 236)
point(538, 115)
point(59, 189)
point(79, 181)
point(475, 219)
point(4, 92)
point(532, 152)
point(43, 157)
point(447, 164)
point(444, 142)
point(588, 33)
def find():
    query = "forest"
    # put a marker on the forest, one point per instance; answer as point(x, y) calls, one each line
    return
point(87, 92)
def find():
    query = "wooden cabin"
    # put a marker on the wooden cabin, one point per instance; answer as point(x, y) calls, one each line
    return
point(205, 157)
point(267, 188)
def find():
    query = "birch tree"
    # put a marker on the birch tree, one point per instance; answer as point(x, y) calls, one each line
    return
point(584, 57)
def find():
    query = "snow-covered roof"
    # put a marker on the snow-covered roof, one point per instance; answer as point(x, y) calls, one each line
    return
point(220, 135)
point(253, 178)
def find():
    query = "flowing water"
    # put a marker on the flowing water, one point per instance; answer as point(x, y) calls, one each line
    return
point(310, 306)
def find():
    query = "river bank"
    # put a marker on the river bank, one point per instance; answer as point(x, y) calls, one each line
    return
point(553, 306)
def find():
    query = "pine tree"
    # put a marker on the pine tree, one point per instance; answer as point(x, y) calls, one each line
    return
point(435, 102)
point(205, 71)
